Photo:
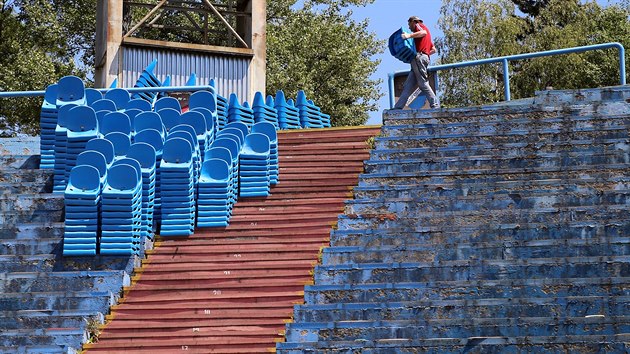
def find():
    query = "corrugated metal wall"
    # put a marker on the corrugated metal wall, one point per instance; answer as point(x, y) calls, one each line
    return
point(229, 72)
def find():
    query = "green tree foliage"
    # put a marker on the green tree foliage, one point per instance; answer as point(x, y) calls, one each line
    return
point(477, 29)
point(321, 50)
point(37, 49)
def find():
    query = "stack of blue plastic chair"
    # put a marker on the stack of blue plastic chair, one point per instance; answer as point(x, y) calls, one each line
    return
point(269, 130)
point(222, 111)
point(61, 145)
point(121, 215)
point(402, 49)
point(310, 114)
point(81, 127)
point(187, 132)
point(240, 113)
point(47, 125)
point(145, 155)
point(166, 83)
point(196, 120)
point(264, 112)
point(178, 192)
point(234, 147)
point(170, 117)
point(206, 103)
point(214, 190)
point(254, 166)
point(156, 140)
point(147, 79)
point(82, 199)
point(167, 102)
point(325, 120)
point(288, 115)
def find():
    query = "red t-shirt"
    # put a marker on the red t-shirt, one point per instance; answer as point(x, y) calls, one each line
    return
point(423, 44)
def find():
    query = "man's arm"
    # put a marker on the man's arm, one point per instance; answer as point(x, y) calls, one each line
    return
point(433, 50)
point(418, 34)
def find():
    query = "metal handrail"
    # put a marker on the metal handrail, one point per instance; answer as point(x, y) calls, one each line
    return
point(506, 59)
point(9, 94)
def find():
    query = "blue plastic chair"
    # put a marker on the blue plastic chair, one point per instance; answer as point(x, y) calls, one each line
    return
point(70, 89)
point(239, 125)
point(140, 104)
point(144, 154)
point(121, 143)
point(81, 122)
point(192, 80)
point(95, 159)
point(196, 120)
point(211, 121)
point(176, 151)
point(170, 117)
point(268, 129)
point(233, 132)
point(84, 183)
point(92, 95)
point(131, 162)
point(190, 130)
point(148, 120)
point(219, 152)
point(203, 99)
point(152, 137)
point(167, 102)
point(116, 122)
point(256, 146)
point(119, 96)
point(123, 180)
point(104, 146)
point(104, 105)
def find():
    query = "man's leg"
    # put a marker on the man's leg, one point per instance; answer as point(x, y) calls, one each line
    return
point(408, 88)
point(419, 67)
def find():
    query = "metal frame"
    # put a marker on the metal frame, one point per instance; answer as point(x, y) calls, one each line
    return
point(11, 94)
point(505, 61)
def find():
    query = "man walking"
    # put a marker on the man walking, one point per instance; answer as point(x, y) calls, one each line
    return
point(418, 76)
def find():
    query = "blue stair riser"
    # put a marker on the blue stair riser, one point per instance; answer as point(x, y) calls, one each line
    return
point(473, 345)
point(494, 308)
point(416, 205)
point(466, 290)
point(31, 231)
point(501, 233)
point(512, 189)
point(491, 165)
point(25, 322)
point(474, 270)
point(452, 219)
point(67, 338)
point(63, 281)
point(457, 329)
point(39, 263)
point(509, 150)
point(502, 142)
point(95, 301)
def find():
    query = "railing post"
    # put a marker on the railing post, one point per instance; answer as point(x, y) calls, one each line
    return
point(391, 91)
point(506, 79)
point(622, 64)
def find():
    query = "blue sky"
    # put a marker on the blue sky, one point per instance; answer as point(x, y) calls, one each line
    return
point(386, 16)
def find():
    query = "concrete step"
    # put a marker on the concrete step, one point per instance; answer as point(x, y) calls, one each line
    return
point(16, 176)
point(19, 160)
point(518, 126)
point(473, 345)
point(98, 301)
point(435, 177)
point(407, 206)
point(26, 263)
point(29, 247)
point(523, 217)
point(475, 327)
point(461, 270)
point(435, 189)
point(12, 189)
point(495, 164)
point(464, 309)
point(31, 231)
point(534, 140)
point(63, 281)
point(65, 337)
point(507, 150)
point(37, 349)
point(466, 290)
point(505, 251)
point(584, 229)
point(12, 320)
point(29, 208)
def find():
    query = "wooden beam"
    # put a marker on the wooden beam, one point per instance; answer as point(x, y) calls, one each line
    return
point(241, 52)
point(132, 30)
point(216, 12)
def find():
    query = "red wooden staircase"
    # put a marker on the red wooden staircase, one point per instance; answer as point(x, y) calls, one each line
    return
point(232, 290)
